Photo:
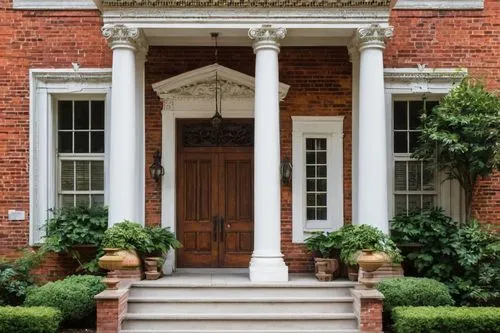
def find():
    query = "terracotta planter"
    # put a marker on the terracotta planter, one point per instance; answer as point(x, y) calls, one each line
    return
point(111, 260)
point(130, 259)
point(152, 268)
point(352, 273)
point(370, 261)
point(324, 268)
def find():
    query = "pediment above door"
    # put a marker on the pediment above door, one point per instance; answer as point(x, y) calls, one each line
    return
point(199, 84)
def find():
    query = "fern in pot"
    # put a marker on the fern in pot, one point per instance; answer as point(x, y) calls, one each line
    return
point(325, 249)
point(162, 241)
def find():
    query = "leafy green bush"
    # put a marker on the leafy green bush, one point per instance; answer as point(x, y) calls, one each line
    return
point(408, 291)
point(29, 320)
point(73, 296)
point(15, 277)
point(129, 236)
point(362, 236)
point(465, 257)
point(70, 227)
point(324, 244)
point(446, 319)
point(162, 240)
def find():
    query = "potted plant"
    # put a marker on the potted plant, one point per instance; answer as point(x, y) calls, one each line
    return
point(162, 240)
point(356, 238)
point(324, 247)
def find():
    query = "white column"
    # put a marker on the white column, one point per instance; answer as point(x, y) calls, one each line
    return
point(372, 139)
point(354, 58)
point(123, 125)
point(267, 262)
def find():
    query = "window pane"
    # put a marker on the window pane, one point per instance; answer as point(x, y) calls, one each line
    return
point(321, 171)
point(400, 142)
point(97, 200)
point(413, 202)
point(81, 142)
point(321, 158)
point(321, 199)
point(65, 115)
point(81, 115)
point(311, 199)
point(82, 175)
point(430, 105)
point(67, 200)
point(309, 144)
point(97, 142)
point(321, 214)
point(428, 201)
point(311, 158)
point(414, 141)
point(311, 213)
point(97, 120)
point(428, 178)
point(416, 108)
point(400, 115)
point(399, 204)
point(320, 144)
point(414, 176)
point(311, 172)
point(97, 176)
point(67, 176)
point(82, 200)
point(400, 176)
point(311, 185)
point(321, 184)
point(65, 142)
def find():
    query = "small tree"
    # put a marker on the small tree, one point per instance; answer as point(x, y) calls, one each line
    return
point(462, 136)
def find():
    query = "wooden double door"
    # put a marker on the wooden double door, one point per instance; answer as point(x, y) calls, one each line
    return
point(214, 202)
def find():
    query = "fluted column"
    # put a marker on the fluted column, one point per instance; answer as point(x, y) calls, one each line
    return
point(372, 133)
point(123, 125)
point(267, 262)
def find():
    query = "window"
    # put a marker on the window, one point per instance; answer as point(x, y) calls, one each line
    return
point(317, 155)
point(80, 152)
point(415, 184)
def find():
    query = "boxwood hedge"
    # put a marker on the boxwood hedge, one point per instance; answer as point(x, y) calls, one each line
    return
point(446, 319)
point(15, 319)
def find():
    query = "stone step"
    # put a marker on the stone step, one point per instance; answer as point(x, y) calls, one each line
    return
point(232, 322)
point(242, 331)
point(240, 305)
point(235, 291)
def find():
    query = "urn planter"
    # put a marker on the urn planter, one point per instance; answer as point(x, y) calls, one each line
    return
point(324, 268)
point(111, 261)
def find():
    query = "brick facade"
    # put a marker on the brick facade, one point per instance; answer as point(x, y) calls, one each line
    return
point(320, 80)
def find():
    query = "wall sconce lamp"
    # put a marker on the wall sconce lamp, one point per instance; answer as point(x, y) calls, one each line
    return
point(155, 169)
point(286, 171)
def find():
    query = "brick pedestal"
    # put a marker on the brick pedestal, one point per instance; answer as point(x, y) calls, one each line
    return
point(111, 309)
point(368, 307)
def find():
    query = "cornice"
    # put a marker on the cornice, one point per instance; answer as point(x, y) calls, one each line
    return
point(245, 3)
point(440, 4)
point(396, 74)
point(80, 76)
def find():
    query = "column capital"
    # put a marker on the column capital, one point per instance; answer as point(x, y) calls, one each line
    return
point(373, 36)
point(266, 36)
point(119, 35)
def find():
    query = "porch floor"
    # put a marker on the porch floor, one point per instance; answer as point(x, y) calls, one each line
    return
point(236, 278)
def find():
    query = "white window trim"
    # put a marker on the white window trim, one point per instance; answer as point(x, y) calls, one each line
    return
point(412, 84)
point(317, 127)
point(440, 4)
point(46, 86)
point(53, 4)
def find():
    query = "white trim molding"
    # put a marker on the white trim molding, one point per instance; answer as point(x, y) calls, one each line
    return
point(440, 4)
point(331, 128)
point(414, 84)
point(46, 85)
point(53, 4)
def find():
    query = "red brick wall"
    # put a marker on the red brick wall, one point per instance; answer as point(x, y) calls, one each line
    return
point(320, 80)
point(451, 39)
point(34, 39)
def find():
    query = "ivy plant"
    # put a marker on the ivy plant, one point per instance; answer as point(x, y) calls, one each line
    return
point(461, 136)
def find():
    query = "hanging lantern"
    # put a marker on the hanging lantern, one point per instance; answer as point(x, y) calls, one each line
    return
point(156, 170)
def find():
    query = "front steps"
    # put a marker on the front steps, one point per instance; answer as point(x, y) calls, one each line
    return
point(227, 305)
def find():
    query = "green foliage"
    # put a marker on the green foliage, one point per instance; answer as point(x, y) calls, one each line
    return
point(358, 237)
point(162, 240)
point(129, 236)
point(324, 244)
point(465, 257)
point(408, 291)
point(446, 319)
point(462, 135)
point(73, 296)
point(15, 277)
point(70, 227)
point(29, 320)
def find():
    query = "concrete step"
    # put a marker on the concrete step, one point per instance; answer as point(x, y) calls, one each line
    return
point(259, 322)
point(235, 291)
point(241, 331)
point(238, 305)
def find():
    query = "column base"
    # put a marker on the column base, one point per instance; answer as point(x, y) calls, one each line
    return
point(268, 270)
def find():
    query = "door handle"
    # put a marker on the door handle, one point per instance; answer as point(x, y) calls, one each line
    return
point(215, 227)
point(221, 222)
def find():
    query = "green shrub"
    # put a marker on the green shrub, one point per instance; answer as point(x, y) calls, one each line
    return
point(407, 291)
point(324, 244)
point(74, 296)
point(29, 320)
point(446, 319)
point(129, 236)
point(162, 240)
